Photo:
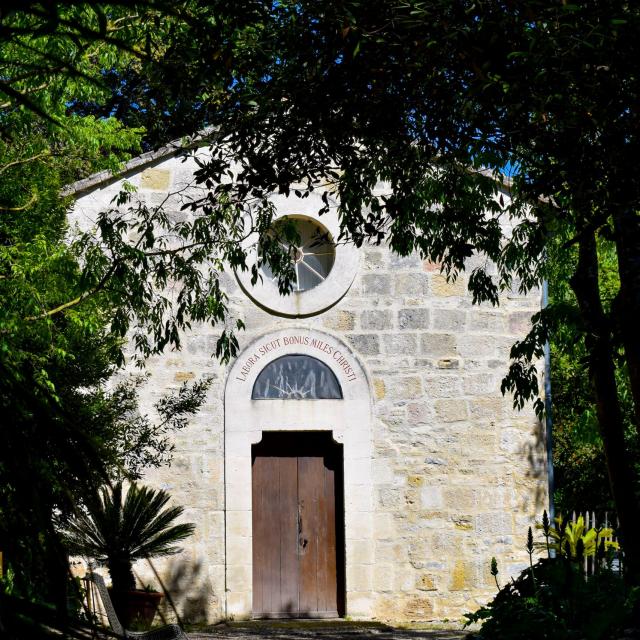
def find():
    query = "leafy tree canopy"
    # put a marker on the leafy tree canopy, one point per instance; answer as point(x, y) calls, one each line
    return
point(409, 111)
point(64, 430)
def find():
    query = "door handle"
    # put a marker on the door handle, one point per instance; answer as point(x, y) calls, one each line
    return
point(301, 540)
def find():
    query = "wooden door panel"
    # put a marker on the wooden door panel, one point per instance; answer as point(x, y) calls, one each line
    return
point(316, 487)
point(275, 562)
point(260, 547)
point(296, 554)
point(288, 517)
point(327, 559)
point(309, 476)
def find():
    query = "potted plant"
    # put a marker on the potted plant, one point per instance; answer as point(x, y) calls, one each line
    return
point(119, 530)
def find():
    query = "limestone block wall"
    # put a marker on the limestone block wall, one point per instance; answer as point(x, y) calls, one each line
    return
point(457, 475)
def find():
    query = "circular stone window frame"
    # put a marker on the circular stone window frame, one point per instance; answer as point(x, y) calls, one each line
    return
point(302, 304)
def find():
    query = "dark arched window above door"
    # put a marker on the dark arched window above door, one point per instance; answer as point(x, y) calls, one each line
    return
point(296, 377)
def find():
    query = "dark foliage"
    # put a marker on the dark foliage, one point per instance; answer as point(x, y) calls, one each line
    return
point(120, 530)
point(554, 601)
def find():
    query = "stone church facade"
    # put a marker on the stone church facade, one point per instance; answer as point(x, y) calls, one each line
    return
point(357, 458)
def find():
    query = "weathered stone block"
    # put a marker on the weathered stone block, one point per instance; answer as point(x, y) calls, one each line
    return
point(440, 287)
point(383, 577)
point(426, 582)
point(452, 410)
point(463, 523)
point(460, 499)
point(239, 578)
point(340, 321)
point(239, 551)
point(427, 265)
point(403, 579)
point(488, 321)
point(512, 440)
point(435, 461)
point(437, 345)
point(376, 319)
point(391, 498)
point(360, 552)
point(419, 413)
point(419, 552)
point(462, 577)
point(411, 284)
point(477, 383)
point(443, 386)
point(411, 261)
point(384, 527)
point(365, 343)
point(156, 179)
point(413, 318)
point(448, 363)
point(239, 604)
point(520, 322)
point(379, 388)
point(431, 497)
point(452, 320)
point(360, 577)
point(255, 318)
point(362, 526)
point(361, 604)
point(405, 388)
point(417, 608)
point(494, 524)
point(396, 344)
point(239, 523)
point(373, 259)
point(376, 284)
point(475, 346)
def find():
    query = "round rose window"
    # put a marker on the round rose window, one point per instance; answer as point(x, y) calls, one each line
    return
point(321, 270)
point(313, 255)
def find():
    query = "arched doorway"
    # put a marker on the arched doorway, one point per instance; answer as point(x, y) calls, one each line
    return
point(298, 526)
point(298, 402)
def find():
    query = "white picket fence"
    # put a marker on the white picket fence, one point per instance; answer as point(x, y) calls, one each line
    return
point(605, 521)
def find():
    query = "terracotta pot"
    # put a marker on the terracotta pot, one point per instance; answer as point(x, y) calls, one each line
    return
point(136, 609)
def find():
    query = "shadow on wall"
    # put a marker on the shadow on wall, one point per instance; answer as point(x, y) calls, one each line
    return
point(189, 596)
point(290, 611)
point(535, 451)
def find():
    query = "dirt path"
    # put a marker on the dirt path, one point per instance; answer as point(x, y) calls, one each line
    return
point(302, 630)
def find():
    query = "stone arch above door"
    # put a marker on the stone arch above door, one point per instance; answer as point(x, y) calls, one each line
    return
point(349, 420)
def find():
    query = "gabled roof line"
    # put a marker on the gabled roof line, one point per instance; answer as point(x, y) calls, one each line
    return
point(173, 148)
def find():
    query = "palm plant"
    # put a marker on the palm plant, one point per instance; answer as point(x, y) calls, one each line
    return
point(573, 539)
point(118, 531)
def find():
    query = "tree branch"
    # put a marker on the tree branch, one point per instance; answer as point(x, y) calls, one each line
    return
point(76, 301)
point(24, 160)
point(32, 200)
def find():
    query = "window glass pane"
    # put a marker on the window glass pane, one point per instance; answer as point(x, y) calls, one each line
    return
point(308, 232)
point(314, 253)
point(266, 270)
point(321, 264)
point(307, 279)
point(296, 377)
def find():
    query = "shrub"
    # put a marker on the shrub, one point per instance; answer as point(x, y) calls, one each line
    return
point(553, 599)
point(120, 530)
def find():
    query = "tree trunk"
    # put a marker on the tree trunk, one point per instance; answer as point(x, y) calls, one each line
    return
point(121, 572)
point(599, 346)
point(58, 576)
point(627, 229)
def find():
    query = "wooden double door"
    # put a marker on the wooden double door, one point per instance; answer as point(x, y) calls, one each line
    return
point(298, 526)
